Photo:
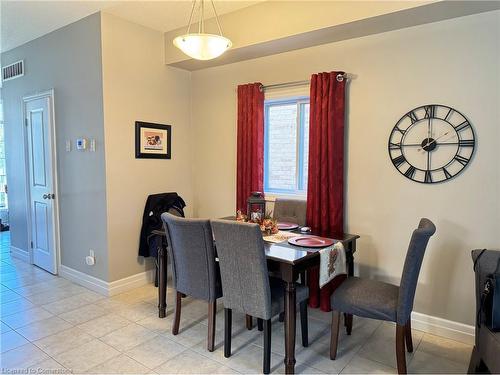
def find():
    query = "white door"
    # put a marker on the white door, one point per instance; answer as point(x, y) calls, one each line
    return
point(41, 167)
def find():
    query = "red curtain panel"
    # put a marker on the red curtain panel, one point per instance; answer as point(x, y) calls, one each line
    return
point(250, 152)
point(325, 184)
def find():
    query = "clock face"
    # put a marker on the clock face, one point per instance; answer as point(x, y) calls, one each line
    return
point(431, 143)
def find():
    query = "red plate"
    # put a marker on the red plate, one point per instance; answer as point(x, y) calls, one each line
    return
point(310, 241)
point(287, 226)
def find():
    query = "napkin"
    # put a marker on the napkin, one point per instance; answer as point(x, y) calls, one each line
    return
point(332, 263)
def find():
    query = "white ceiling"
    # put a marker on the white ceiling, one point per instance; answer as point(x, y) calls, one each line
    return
point(22, 21)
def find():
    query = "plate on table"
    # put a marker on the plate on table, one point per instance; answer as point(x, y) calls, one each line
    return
point(287, 226)
point(311, 241)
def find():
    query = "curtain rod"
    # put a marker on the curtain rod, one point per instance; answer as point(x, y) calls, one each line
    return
point(340, 78)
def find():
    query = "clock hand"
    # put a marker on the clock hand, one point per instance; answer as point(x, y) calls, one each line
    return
point(434, 140)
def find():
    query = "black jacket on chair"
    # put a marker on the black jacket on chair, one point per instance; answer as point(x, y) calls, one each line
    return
point(157, 204)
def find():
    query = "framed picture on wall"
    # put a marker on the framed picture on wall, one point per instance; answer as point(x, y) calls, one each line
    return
point(152, 141)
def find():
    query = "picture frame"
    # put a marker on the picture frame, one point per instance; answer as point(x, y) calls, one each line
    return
point(153, 141)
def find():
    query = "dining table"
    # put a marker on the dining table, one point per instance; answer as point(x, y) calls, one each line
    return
point(285, 261)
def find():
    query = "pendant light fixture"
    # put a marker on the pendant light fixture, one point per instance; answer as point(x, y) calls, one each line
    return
point(202, 46)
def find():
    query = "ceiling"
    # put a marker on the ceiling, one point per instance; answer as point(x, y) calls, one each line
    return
point(22, 21)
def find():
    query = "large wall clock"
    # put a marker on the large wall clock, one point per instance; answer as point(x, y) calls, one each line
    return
point(432, 143)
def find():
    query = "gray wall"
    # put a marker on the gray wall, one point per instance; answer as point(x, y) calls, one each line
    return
point(69, 61)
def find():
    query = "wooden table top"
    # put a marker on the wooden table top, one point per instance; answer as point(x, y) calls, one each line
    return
point(286, 253)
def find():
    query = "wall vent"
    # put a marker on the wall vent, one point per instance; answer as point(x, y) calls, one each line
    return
point(12, 71)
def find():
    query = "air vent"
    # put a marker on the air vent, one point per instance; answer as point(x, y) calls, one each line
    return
point(12, 71)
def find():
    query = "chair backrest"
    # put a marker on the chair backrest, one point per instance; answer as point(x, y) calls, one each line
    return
point(411, 270)
point(243, 267)
point(290, 210)
point(191, 249)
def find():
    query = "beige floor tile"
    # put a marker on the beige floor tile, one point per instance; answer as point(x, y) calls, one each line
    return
point(154, 352)
point(22, 357)
point(46, 286)
point(47, 366)
point(425, 363)
point(83, 314)
point(190, 362)
point(4, 327)
point(249, 360)
point(360, 365)
point(104, 325)
point(11, 340)
point(13, 307)
point(127, 337)
point(44, 328)
point(26, 317)
point(155, 324)
point(137, 311)
point(449, 349)
point(63, 341)
point(86, 356)
point(71, 303)
point(9, 296)
point(381, 346)
point(190, 333)
point(120, 365)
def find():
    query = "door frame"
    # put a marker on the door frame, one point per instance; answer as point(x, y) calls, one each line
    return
point(56, 231)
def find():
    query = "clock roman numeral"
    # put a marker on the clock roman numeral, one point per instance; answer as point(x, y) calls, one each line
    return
point(413, 117)
point(447, 174)
point(428, 177)
point(399, 160)
point(395, 146)
point(430, 111)
point(448, 114)
point(466, 143)
point(402, 131)
point(410, 172)
point(461, 160)
point(462, 126)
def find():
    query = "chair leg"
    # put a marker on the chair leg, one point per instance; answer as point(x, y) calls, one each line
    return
point(227, 332)
point(348, 323)
point(177, 315)
point(400, 349)
point(267, 347)
point(249, 322)
point(260, 325)
point(409, 340)
point(334, 338)
point(303, 324)
point(212, 306)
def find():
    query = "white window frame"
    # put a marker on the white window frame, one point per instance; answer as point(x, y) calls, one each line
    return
point(300, 183)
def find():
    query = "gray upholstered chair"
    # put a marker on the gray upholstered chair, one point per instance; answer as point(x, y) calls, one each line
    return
point(382, 301)
point(246, 284)
point(290, 210)
point(195, 271)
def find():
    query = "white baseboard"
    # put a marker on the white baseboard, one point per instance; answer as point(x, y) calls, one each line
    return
point(443, 327)
point(103, 287)
point(20, 254)
point(90, 282)
point(131, 282)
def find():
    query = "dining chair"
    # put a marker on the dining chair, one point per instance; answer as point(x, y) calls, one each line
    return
point(383, 301)
point(194, 268)
point(290, 210)
point(246, 284)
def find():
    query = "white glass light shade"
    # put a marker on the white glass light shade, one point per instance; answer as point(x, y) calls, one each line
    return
point(202, 46)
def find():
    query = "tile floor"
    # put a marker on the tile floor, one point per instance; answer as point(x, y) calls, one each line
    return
point(51, 324)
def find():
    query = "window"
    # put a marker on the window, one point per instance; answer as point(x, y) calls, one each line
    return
point(286, 145)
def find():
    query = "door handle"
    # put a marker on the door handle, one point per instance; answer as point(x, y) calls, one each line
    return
point(46, 196)
point(49, 196)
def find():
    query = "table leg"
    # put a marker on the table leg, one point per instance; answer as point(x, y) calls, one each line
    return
point(162, 282)
point(350, 273)
point(290, 319)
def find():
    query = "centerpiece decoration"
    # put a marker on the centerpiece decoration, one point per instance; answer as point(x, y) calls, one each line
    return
point(268, 225)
